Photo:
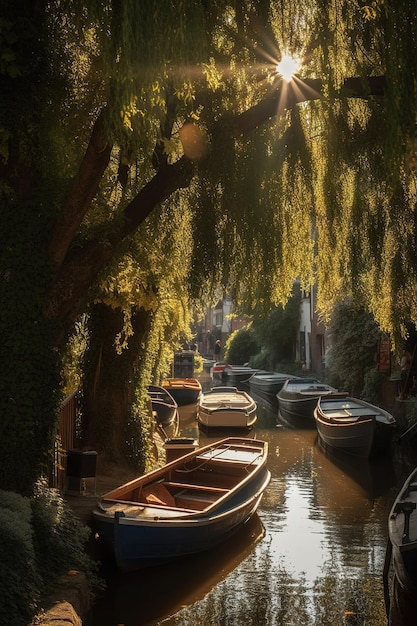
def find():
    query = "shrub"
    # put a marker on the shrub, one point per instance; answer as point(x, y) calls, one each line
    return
point(241, 346)
point(59, 536)
point(20, 583)
point(40, 540)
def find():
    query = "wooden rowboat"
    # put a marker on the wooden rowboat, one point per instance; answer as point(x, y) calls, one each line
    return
point(187, 506)
point(184, 390)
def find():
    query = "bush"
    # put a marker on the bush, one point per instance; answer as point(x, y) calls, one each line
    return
point(241, 346)
point(354, 340)
point(372, 387)
point(59, 536)
point(40, 540)
point(20, 582)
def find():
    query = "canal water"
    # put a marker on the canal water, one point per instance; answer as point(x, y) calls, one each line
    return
point(312, 555)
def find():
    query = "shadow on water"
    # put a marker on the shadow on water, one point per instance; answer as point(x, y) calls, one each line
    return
point(141, 597)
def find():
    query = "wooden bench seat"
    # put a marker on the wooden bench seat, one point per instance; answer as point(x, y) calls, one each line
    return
point(204, 488)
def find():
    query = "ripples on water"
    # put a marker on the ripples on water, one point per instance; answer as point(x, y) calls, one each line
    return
point(313, 555)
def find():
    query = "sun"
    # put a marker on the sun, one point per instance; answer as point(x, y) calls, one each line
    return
point(288, 66)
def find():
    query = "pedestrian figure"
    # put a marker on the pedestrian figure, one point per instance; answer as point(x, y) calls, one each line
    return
point(217, 350)
point(405, 365)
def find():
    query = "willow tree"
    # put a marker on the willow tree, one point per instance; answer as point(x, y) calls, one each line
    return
point(108, 109)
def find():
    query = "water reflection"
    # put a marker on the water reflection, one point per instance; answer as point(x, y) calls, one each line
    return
point(313, 556)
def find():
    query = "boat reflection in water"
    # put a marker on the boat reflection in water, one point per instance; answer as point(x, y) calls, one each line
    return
point(375, 476)
point(174, 585)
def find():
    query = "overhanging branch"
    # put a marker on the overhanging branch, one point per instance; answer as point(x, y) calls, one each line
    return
point(79, 271)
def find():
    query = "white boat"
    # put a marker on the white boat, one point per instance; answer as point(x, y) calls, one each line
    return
point(227, 407)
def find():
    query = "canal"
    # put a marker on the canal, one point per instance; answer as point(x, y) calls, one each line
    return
point(312, 555)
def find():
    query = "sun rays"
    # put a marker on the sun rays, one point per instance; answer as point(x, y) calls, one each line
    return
point(288, 66)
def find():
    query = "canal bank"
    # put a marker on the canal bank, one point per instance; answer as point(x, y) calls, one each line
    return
point(70, 602)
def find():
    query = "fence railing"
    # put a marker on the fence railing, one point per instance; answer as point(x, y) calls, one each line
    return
point(66, 439)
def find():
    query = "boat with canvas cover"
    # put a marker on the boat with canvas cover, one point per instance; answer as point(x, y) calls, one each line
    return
point(227, 407)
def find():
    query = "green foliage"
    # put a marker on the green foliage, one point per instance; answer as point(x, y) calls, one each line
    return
point(29, 375)
point(260, 360)
point(412, 411)
point(372, 387)
point(40, 539)
point(277, 333)
point(198, 364)
point(59, 537)
point(20, 582)
point(326, 192)
point(354, 339)
point(241, 346)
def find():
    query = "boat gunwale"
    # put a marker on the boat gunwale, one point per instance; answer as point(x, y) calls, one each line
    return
point(158, 475)
point(193, 517)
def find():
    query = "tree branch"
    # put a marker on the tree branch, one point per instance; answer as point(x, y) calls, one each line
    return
point(78, 272)
point(82, 266)
point(276, 103)
point(82, 191)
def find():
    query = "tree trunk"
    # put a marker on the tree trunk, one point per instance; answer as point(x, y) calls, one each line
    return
point(110, 423)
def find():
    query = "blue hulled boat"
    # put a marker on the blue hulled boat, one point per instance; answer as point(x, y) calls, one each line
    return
point(187, 506)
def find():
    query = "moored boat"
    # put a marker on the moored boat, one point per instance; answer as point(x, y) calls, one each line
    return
point(164, 408)
point(402, 528)
point(217, 371)
point(298, 398)
point(354, 425)
point(187, 506)
point(227, 407)
point(267, 383)
point(235, 375)
point(184, 390)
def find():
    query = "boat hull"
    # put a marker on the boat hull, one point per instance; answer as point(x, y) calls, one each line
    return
point(140, 544)
point(353, 438)
point(228, 408)
point(163, 405)
point(185, 391)
point(214, 491)
point(267, 383)
point(402, 528)
point(235, 375)
point(298, 398)
point(353, 425)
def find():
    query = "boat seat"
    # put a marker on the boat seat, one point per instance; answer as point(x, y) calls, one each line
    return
point(405, 506)
point(158, 494)
point(203, 488)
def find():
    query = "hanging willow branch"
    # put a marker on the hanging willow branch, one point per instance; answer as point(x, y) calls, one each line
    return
point(80, 269)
